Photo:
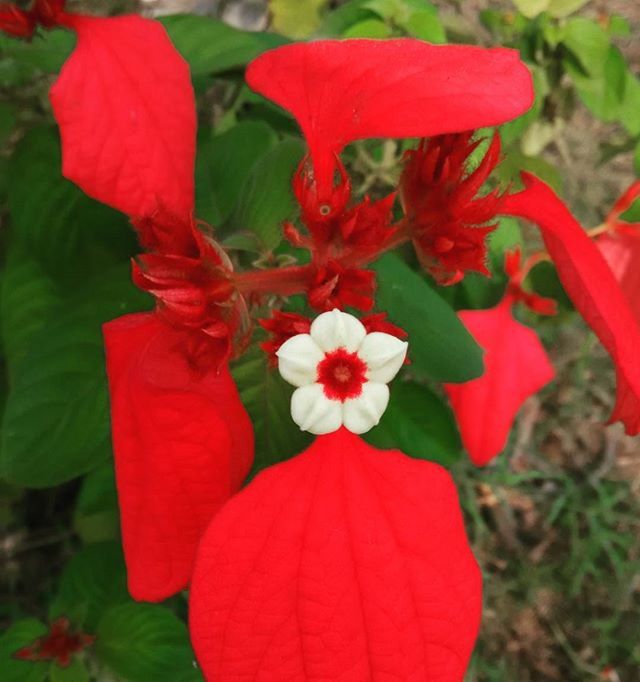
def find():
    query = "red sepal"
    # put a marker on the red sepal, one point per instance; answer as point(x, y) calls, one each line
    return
point(334, 286)
point(282, 326)
point(126, 111)
point(515, 367)
point(592, 287)
point(183, 444)
point(343, 563)
point(58, 645)
point(340, 91)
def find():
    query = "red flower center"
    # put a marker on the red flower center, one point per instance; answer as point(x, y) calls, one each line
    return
point(342, 374)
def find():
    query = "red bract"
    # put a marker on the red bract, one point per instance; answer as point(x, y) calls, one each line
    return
point(126, 111)
point(343, 563)
point(620, 246)
point(592, 287)
point(183, 445)
point(446, 220)
point(340, 91)
point(516, 273)
point(515, 367)
point(58, 645)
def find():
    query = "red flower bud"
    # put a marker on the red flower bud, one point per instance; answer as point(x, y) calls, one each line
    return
point(448, 223)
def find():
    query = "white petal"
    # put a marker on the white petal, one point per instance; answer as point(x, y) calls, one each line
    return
point(298, 359)
point(312, 411)
point(363, 413)
point(336, 329)
point(383, 354)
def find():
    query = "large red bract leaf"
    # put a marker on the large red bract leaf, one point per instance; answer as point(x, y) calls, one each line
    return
point(344, 563)
point(126, 111)
point(183, 444)
point(592, 287)
point(340, 91)
point(515, 367)
point(622, 252)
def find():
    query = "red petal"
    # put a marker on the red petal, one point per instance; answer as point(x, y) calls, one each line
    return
point(126, 111)
point(343, 563)
point(622, 253)
point(591, 286)
point(516, 367)
point(183, 445)
point(345, 90)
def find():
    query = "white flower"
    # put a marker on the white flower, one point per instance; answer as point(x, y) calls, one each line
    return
point(341, 373)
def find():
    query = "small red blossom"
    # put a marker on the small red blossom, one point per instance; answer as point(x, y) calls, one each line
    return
point(334, 286)
point(516, 273)
point(197, 294)
point(447, 221)
point(282, 326)
point(58, 645)
point(342, 374)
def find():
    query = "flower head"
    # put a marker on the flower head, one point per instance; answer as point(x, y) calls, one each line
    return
point(58, 645)
point(341, 373)
point(448, 223)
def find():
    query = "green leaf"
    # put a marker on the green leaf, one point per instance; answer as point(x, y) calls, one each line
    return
point(531, 8)
point(7, 122)
point(96, 515)
point(369, 28)
point(211, 46)
point(68, 233)
point(74, 672)
point(589, 42)
point(426, 25)
point(142, 642)
point(44, 54)
point(296, 18)
point(267, 398)
point(94, 580)
point(604, 95)
point(223, 165)
point(21, 634)
point(337, 21)
point(266, 199)
point(562, 8)
point(27, 298)
point(506, 236)
point(418, 423)
point(56, 423)
point(439, 344)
